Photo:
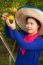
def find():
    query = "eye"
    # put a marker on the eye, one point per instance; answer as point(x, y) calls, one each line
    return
point(26, 22)
point(31, 23)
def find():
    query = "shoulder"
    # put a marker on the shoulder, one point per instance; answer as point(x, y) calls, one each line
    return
point(40, 38)
point(23, 33)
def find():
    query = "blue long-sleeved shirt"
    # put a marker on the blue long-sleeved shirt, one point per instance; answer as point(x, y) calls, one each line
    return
point(36, 44)
point(33, 49)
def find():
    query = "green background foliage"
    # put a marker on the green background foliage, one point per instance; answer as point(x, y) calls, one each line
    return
point(5, 6)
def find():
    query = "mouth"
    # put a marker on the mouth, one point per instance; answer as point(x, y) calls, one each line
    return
point(29, 29)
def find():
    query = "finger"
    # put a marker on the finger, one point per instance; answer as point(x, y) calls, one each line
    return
point(5, 14)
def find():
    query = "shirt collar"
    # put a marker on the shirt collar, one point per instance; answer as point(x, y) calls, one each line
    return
point(29, 38)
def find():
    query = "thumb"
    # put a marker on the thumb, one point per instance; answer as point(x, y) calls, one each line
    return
point(7, 21)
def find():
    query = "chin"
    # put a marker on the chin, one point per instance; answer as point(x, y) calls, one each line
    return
point(30, 32)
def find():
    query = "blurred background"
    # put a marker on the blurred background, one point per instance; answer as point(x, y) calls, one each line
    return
point(11, 7)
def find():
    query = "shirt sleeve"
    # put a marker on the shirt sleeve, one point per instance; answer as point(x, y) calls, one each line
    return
point(14, 34)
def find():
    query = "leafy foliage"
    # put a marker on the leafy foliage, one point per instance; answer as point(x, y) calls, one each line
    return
point(6, 5)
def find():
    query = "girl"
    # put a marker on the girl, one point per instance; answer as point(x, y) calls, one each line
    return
point(30, 42)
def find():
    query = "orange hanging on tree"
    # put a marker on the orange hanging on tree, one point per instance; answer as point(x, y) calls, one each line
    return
point(13, 9)
point(11, 17)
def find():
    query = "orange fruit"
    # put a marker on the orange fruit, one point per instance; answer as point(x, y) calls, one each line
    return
point(11, 17)
point(13, 9)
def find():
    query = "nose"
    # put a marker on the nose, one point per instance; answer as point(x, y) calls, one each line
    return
point(28, 26)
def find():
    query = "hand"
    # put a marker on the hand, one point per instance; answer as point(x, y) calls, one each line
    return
point(5, 17)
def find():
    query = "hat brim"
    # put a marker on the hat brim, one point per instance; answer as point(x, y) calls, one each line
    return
point(22, 13)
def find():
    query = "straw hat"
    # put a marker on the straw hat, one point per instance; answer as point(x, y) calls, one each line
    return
point(24, 12)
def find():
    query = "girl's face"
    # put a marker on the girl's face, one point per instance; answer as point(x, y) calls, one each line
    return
point(31, 26)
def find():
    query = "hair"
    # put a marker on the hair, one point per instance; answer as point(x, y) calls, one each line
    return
point(36, 20)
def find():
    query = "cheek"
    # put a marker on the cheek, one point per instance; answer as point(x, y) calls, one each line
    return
point(35, 27)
